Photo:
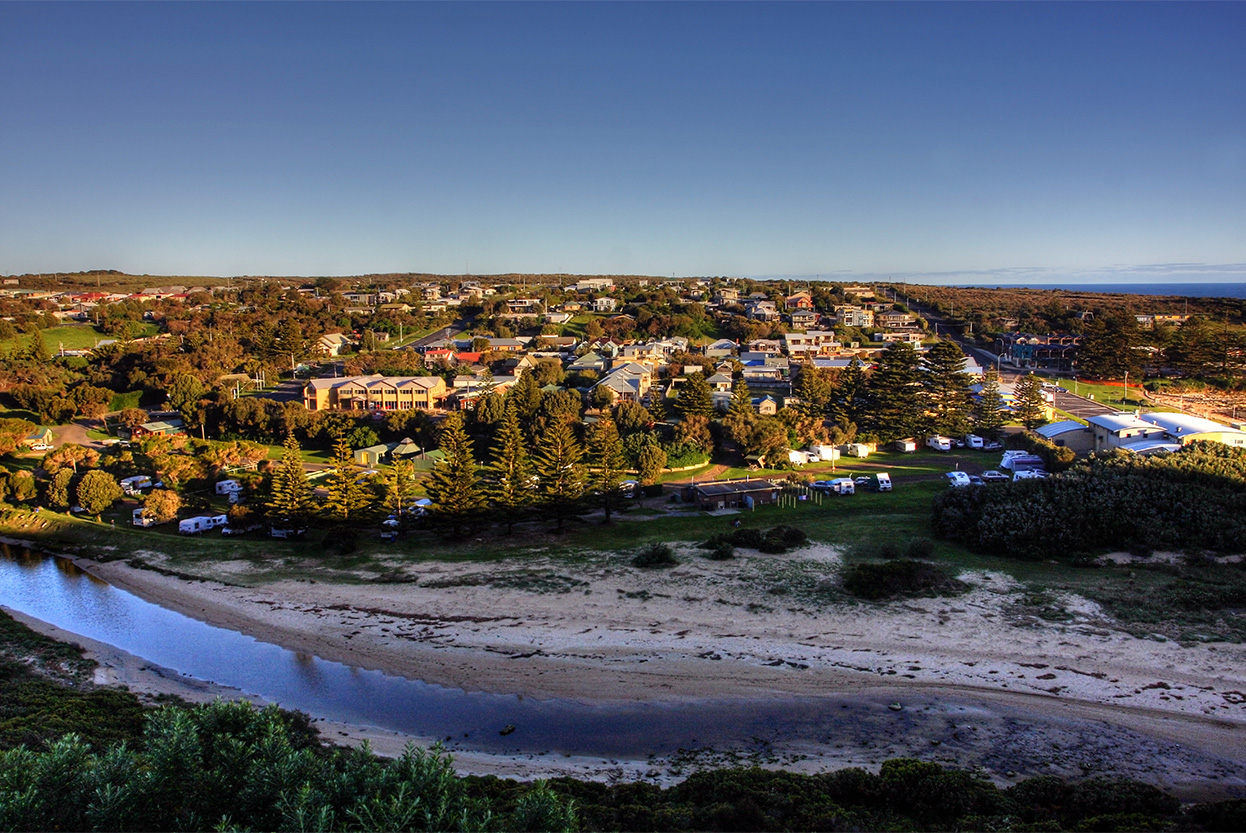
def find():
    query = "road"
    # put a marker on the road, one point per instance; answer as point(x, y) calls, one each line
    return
point(1080, 406)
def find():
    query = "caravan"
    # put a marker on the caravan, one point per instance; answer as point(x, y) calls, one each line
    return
point(231, 488)
point(135, 485)
point(974, 441)
point(882, 482)
point(202, 523)
point(939, 443)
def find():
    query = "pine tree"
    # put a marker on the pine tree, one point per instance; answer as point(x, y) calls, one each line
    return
point(291, 491)
point(347, 497)
point(741, 398)
point(990, 406)
point(509, 473)
point(1029, 406)
point(605, 454)
point(695, 397)
point(945, 389)
point(893, 406)
point(847, 403)
point(454, 487)
point(526, 395)
point(559, 472)
point(400, 487)
point(813, 389)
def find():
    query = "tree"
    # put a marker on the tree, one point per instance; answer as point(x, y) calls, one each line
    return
point(12, 432)
point(560, 474)
point(945, 389)
point(509, 473)
point(1029, 406)
point(162, 505)
point(813, 389)
point(526, 395)
point(291, 491)
point(454, 487)
point(97, 490)
point(1109, 347)
point(694, 431)
point(631, 416)
point(695, 397)
point(848, 399)
point(346, 494)
point(741, 398)
point(605, 454)
point(400, 487)
point(650, 461)
point(58, 489)
point(22, 486)
point(990, 408)
point(602, 397)
point(893, 405)
point(132, 417)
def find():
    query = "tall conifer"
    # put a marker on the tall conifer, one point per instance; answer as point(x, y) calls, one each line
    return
point(291, 491)
point(560, 472)
point(454, 487)
point(605, 455)
point(509, 473)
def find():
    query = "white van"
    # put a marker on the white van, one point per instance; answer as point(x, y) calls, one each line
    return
point(135, 485)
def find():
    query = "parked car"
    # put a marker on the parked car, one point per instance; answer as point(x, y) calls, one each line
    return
point(994, 476)
point(992, 446)
point(974, 480)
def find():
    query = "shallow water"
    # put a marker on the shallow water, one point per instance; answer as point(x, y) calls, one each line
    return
point(54, 590)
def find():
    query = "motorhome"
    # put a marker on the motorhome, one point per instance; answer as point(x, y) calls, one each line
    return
point(202, 523)
point(957, 478)
point(136, 484)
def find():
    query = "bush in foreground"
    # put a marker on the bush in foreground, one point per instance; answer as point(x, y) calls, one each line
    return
point(899, 579)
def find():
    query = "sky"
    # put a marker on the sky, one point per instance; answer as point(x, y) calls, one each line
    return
point(937, 142)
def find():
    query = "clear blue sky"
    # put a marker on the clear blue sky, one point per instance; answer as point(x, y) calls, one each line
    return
point(938, 140)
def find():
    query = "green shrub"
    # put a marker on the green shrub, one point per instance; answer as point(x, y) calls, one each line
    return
point(921, 549)
point(655, 555)
point(896, 579)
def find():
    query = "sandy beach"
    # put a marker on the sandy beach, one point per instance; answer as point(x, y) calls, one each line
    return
point(979, 683)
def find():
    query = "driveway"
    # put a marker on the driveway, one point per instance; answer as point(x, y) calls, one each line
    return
point(1080, 406)
point(76, 434)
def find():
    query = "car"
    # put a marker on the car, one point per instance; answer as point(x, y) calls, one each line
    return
point(992, 446)
point(994, 476)
point(862, 480)
point(974, 480)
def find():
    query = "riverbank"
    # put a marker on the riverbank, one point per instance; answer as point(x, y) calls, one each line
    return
point(980, 683)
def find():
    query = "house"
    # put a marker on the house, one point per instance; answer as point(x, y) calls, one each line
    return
point(589, 361)
point(165, 427)
point(628, 382)
point(894, 320)
point(334, 344)
point(803, 318)
point(720, 382)
point(507, 345)
point(1126, 431)
point(766, 405)
point(1069, 434)
point(801, 300)
point(372, 456)
point(1186, 428)
point(41, 439)
point(375, 393)
point(851, 316)
point(1046, 352)
point(762, 311)
point(730, 494)
point(592, 285)
point(720, 349)
point(725, 295)
point(604, 304)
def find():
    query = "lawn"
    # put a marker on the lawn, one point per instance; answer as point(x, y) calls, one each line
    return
point(1111, 395)
point(71, 337)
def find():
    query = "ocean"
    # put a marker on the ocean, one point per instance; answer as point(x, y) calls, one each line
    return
point(1186, 290)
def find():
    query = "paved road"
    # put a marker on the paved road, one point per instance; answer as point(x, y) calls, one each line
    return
point(1080, 406)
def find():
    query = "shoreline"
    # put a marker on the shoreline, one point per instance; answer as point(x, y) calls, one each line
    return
point(604, 648)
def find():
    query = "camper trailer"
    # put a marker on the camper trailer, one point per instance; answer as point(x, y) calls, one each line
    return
point(974, 441)
point(839, 486)
point(906, 446)
point(857, 450)
point(231, 488)
point(202, 523)
point(824, 453)
point(939, 443)
point(136, 484)
point(882, 482)
point(140, 519)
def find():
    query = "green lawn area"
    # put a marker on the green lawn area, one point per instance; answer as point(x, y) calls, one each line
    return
point(71, 337)
point(1111, 395)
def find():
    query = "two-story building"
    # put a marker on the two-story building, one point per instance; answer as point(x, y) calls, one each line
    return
point(375, 393)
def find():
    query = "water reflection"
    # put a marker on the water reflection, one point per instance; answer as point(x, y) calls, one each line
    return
point(56, 591)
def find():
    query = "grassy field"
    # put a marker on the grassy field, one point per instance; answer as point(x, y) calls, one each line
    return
point(71, 337)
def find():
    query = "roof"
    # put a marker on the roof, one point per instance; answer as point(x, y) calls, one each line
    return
point(734, 487)
point(1120, 422)
point(1055, 429)
point(1185, 424)
point(1150, 446)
